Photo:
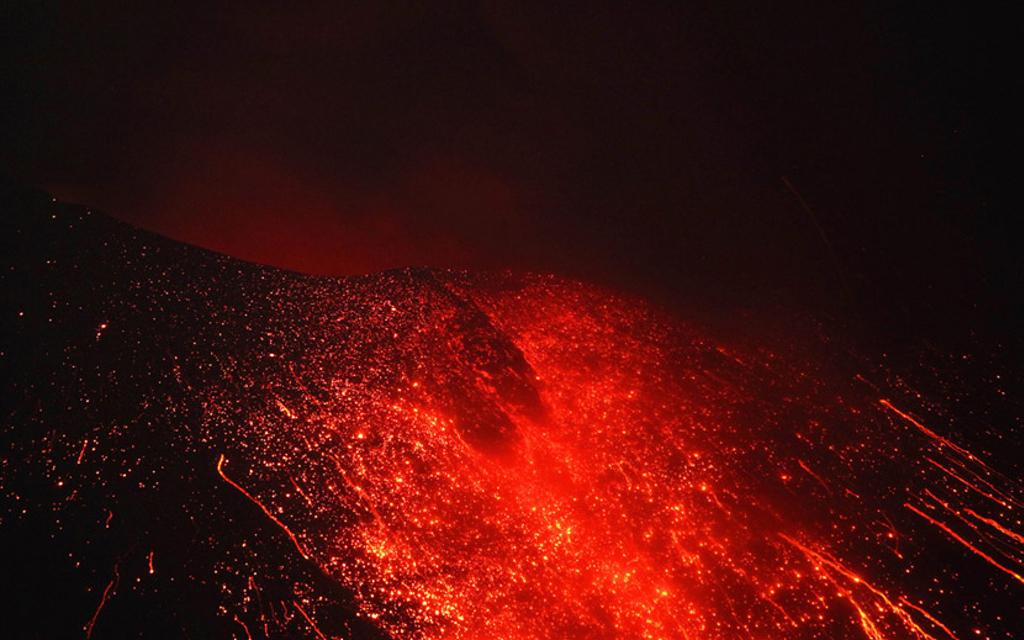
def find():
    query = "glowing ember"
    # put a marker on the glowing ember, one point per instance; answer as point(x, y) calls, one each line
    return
point(491, 456)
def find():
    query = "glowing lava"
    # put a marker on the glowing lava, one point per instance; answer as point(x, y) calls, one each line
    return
point(611, 474)
point(440, 455)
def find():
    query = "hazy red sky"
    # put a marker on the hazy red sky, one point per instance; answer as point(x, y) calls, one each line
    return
point(643, 147)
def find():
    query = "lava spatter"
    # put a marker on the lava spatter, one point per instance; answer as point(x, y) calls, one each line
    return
point(432, 454)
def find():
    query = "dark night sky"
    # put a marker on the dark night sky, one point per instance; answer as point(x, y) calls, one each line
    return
point(642, 146)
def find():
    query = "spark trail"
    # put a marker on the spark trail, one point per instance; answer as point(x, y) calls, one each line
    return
point(268, 512)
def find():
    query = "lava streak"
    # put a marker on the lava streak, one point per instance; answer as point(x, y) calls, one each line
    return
point(269, 514)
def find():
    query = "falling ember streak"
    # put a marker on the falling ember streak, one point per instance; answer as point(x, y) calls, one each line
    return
point(107, 593)
point(805, 467)
point(81, 454)
point(363, 496)
point(305, 496)
point(312, 624)
point(150, 563)
point(935, 621)
point(929, 616)
point(970, 485)
point(284, 408)
point(928, 432)
point(244, 627)
point(997, 526)
point(866, 623)
point(822, 559)
point(988, 470)
point(273, 518)
point(966, 543)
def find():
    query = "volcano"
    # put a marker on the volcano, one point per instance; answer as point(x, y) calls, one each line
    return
point(195, 446)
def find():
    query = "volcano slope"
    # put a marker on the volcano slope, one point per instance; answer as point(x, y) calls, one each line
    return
point(194, 446)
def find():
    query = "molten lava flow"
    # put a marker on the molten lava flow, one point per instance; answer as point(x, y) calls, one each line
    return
point(617, 476)
point(436, 455)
